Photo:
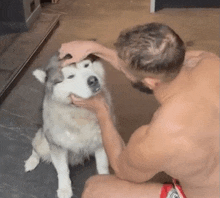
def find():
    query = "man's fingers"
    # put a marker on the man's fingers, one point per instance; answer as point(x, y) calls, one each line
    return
point(68, 62)
point(61, 54)
point(75, 98)
point(64, 50)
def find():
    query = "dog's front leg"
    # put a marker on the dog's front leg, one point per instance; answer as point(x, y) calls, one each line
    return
point(101, 161)
point(60, 161)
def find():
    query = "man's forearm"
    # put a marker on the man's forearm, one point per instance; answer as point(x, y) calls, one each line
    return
point(116, 152)
point(112, 141)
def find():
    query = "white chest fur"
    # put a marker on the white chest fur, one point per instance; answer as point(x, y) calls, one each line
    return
point(71, 127)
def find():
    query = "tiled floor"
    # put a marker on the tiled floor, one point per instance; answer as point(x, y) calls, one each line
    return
point(20, 114)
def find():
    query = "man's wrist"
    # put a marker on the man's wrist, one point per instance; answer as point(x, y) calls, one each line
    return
point(103, 114)
point(92, 47)
point(95, 48)
point(107, 54)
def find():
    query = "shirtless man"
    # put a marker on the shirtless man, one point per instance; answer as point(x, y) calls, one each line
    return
point(183, 137)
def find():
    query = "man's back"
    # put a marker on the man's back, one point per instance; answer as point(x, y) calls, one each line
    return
point(194, 110)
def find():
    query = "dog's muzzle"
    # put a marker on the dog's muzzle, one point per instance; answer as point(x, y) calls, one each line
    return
point(93, 83)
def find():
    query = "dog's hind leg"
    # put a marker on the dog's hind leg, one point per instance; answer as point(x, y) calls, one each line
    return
point(101, 161)
point(60, 161)
point(41, 149)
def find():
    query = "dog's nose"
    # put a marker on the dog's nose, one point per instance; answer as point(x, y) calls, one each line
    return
point(92, 81)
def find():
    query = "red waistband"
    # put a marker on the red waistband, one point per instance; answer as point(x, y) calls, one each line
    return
point(168, 187)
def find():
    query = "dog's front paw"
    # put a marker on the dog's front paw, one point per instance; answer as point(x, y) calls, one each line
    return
point(64, 193)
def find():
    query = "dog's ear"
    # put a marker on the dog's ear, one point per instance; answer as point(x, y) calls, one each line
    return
point(40, 75)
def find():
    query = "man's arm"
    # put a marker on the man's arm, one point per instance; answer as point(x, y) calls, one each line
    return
point(149, 148)
point(145, 154)
point(108, 55)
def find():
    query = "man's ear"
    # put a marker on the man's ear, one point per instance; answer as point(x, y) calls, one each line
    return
point(152, 83)
point(40, 75)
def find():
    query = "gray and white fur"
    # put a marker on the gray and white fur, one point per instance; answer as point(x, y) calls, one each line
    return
point(69, 133)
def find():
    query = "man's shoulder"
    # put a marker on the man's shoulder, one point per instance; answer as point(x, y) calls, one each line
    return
point(206, 73)
point(202, 54)
point(196, 59)
point(175, 114)
point(179, 103)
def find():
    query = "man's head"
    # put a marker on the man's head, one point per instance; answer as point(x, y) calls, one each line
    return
point(152, 52)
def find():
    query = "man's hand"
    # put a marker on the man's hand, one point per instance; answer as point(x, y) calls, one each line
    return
point(97, 103)
point(77, 49)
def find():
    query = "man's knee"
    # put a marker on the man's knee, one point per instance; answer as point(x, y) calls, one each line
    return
point(91, 180)
point(93, 186)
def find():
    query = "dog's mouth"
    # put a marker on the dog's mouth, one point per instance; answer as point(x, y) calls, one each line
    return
point(94, 91)
point(97, 89)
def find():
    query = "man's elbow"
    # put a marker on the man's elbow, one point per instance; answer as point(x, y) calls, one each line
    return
point(132, 175)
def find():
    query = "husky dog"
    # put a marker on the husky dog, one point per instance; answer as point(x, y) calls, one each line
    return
point(69, 133)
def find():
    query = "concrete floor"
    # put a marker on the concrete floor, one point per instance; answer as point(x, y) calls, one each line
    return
point(85, 19)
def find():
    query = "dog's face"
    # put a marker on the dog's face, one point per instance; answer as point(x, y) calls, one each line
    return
point(83, 79)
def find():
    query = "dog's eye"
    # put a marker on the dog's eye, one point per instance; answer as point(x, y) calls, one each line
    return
point(57, 81)
point(71, 76)
point(86, 65)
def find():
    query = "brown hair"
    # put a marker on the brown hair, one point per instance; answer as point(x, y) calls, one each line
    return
point(153, 48)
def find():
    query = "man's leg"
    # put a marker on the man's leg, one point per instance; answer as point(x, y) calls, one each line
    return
point(109, 186)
